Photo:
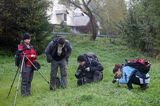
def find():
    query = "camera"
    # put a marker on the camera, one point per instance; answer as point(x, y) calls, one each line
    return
point(78, 74)
point(114, 80)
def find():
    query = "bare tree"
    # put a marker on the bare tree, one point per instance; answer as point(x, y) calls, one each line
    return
point(83, 5)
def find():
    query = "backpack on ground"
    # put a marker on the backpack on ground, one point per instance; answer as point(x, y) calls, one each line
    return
point(140, 64)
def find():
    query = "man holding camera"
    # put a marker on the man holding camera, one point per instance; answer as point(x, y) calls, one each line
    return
point(89, 70)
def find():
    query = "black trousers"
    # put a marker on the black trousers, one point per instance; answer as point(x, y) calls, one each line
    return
point(27, 76)
point(97, 76)
point(135, 80)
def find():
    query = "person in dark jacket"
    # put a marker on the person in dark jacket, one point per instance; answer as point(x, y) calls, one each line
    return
point(88, 70)
point(129, 75)
point(27, 72)
point(58, 52)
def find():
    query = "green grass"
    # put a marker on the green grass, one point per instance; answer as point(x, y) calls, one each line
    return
point(103, 93)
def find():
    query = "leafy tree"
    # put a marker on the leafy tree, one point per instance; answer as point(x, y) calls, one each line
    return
point(109, 13)
point(141, 28)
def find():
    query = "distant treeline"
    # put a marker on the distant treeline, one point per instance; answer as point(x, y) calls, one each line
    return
point(141, 28)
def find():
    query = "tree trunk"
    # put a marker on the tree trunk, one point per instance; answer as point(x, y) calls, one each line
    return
point(93, 27)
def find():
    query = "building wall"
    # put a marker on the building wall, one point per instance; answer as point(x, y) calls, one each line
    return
point(74, 17)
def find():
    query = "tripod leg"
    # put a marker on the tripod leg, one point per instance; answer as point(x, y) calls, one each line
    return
point(14, 104)
point(13, 82)
point(38, 71)
point(43, 77)
point(17, 89)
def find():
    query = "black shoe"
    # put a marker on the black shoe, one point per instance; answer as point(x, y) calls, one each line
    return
point(24, 95)
point(144, 87)
point(52, 88)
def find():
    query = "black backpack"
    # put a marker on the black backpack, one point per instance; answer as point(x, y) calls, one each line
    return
point(17, 58)
point(91, 56)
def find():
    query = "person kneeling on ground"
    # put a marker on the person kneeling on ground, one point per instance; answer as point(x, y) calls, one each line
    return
point(128, 75)
point(89, 70)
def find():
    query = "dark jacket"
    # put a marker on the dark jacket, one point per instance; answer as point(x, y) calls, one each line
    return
point(51, 51)
point(93, 65)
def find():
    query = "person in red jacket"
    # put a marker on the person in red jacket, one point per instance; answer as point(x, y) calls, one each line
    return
point(27, 71)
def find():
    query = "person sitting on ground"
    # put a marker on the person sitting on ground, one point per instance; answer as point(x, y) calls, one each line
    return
point(129, 75)
point(89, 70)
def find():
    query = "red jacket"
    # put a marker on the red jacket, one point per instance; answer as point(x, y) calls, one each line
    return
point(28, 52)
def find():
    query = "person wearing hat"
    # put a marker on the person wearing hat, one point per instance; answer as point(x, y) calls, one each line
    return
point(25, 48)
point(57, 53)
point(89, 70)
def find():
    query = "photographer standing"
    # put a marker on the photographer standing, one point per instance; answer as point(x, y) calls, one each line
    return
point(89, 70)
point(25, 48)
point(58, 52)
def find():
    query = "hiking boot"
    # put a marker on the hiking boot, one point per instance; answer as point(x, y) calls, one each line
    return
point(24, 95)
point(52, 88)
point(144, 87)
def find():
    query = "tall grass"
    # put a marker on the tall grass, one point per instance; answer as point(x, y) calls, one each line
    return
point(103, 93)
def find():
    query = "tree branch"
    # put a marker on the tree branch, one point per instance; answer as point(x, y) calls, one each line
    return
point(87, 8)
point(89, 2)
point(76, 5)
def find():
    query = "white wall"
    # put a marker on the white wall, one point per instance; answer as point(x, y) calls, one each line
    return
point(74, 17)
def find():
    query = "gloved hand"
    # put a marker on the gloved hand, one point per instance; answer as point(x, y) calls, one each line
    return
point(87, 69)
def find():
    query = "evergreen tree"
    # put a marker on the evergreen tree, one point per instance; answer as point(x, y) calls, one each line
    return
point(19, 16)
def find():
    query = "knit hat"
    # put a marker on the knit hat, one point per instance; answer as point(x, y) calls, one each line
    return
point(26, 36)
point(81, 58)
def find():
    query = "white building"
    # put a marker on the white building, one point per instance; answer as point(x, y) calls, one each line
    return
point(71, 17)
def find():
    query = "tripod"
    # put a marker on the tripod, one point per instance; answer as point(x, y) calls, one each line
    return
point(22, 63)
point(21, 68)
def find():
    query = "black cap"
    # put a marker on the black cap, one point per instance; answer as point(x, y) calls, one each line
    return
point(81, 58)
point(61, 41)
point(26, 36)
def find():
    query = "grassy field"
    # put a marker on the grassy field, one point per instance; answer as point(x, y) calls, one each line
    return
point(103, 93)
